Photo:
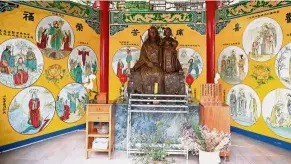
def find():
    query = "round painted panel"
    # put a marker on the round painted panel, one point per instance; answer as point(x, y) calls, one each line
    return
point(190, 61)
point(55, 37)
point(31, 110)
point(71, 102)
point(124, 59)
point(262, 39)
point(233, 65)
point(277, 111)
point(283, 65)
point(245, 105)
point(21, 63)
point(82, 63)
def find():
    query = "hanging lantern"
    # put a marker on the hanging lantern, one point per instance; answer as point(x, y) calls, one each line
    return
point(189, 79)
point(123, 78)
point(95, 4)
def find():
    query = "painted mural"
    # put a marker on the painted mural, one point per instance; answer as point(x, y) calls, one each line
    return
point(233, 65)
point(31, 110)
point(71, 102)
point(245, 105)
point(277, 111)
point(190, 61)
point(283, 65)
point(36, 39)
point(55, 37)
point(82, 63)
point(124, 59)
point(262, 39)
point(21, 63)
point(263, 36)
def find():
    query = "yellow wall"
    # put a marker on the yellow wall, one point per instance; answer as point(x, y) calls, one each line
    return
point(190, 39)
point(13, 21)
point(229, 37)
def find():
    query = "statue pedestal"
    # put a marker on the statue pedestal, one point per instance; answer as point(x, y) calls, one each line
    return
point(145, 123)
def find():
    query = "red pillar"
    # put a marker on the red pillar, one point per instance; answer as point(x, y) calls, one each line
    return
point(104, 46)
point(210, 39)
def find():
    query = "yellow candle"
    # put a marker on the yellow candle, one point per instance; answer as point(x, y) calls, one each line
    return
point(156, 88)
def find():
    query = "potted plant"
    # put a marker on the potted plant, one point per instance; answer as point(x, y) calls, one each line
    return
point(153, 147)
point(205, 142)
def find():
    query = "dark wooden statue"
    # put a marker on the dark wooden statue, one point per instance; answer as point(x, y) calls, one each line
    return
point(158, 63)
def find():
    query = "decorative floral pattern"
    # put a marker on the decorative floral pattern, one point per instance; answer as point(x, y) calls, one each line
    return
point(262, 74)
point(55, 73)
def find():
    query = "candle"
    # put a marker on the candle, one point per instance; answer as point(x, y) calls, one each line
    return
point(156, 88)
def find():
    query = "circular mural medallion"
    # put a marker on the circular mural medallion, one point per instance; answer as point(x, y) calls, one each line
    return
point(31, 110)
point(283, 65)
point(71, 102)
point(124, 59)
point(82, 63)
point(245, 105)
point(233, 65)
point(277, 111)
point(55, 37)
point(190, 61)
point(21, 63)
point(262, 39)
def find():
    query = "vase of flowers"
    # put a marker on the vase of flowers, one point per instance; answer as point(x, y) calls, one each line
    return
point(205, 142)
point(153, 147)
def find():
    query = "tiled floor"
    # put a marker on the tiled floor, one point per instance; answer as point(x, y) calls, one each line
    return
point(70, 149)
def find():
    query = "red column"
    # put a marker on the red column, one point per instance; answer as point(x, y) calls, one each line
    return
point(104, 46)
point(210, 39)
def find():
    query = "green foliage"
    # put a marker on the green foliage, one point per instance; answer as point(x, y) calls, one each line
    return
point(153, 147)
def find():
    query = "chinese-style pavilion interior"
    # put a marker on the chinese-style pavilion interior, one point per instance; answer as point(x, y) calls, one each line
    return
point(145, 81)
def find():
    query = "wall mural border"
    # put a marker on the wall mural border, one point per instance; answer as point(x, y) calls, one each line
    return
point(92, 16)
point(245, 8)
point(120, 20)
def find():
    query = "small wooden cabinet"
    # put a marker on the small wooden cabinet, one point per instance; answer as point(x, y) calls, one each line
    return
point(218, 117)
point(99, 113)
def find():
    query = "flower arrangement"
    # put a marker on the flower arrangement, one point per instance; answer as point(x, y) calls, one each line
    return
point(153, 147)
point(202, 138)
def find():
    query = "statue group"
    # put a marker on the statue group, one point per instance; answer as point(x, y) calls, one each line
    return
point(158, 63)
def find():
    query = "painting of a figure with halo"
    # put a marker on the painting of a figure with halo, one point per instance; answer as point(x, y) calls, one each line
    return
point(31, 110)
point(82, 63)
point(190, 61)
point(277, 111)
point(71, 102)
point(21, 63)
point(55, 37)
point(283, 65)
point(233, 65)
point(262, 39)
point(245, 105)
point(124, 59)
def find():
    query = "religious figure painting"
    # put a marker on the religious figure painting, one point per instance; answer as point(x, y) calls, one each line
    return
point(55, 37)
point(245, 105)
point(191, 62)
point(31, 110)
point(71, 102)
point(277, 111)
point(283, 65)
point(262, 39)
point(233, 65)
point(82, 63)
point(21, 63)
point(124, 59)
